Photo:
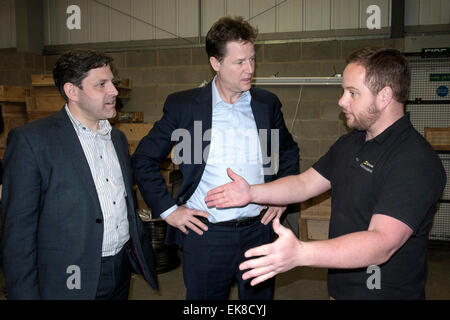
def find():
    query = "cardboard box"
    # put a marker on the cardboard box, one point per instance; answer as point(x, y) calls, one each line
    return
point(315, 218)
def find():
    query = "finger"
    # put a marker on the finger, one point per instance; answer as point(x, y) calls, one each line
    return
point(199, 224)
point(262, 278)
point(183, 229)
point(219, 203)
point(200, 213)
point(194, 228)
point(258, 251)
point(279, 212)
point(256, 272)
point(214, 196)
point(253, 264)
point(215, 191)
point(268, 216)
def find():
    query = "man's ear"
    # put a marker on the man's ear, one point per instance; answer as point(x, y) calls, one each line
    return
point(385, 96)
point(215, 64)
point(71, 91)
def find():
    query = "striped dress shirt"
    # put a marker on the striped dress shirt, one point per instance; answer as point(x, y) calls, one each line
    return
point(107, 175)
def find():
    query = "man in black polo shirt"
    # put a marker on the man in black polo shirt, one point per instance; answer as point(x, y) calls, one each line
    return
point(385, 180)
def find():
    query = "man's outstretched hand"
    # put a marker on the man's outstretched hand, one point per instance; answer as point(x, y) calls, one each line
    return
point(233, 194)
point(276, 257)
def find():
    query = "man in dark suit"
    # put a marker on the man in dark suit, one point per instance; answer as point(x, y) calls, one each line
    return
point(223, 124)
point(70, 226)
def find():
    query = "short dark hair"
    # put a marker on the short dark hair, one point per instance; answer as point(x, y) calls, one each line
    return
point(228, 29)
point(73, 66)
point(384, 67)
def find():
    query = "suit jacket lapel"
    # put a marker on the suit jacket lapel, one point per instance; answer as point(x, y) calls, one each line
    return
point(204, 114)
point(204, 100)
point(260, 111)
point(122, 155)
point(262, 116)
point(75, 155)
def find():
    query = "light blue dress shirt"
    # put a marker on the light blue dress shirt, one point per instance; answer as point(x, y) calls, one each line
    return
point(234, 144)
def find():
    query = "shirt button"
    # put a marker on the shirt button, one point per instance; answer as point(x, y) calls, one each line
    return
point(357, 159)
point(101, 157)
point(107, 180)
point(114, 202)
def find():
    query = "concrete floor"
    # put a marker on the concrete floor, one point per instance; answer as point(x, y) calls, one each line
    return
point(297, 284)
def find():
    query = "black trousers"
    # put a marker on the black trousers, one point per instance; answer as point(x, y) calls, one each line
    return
point(115, 276)
point(211, 262)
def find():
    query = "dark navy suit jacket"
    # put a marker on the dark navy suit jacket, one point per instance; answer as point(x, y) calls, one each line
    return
point(52, 219)
point(182, 110)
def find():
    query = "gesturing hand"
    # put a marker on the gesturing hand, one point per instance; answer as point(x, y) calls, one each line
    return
point(232, 194)
point(184, 217)
point(279, 256)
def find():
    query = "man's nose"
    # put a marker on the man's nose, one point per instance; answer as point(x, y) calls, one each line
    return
point(249, 66)
point(342, 101)
point(112, 90)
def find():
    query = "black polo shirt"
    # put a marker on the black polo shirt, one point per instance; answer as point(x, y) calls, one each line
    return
point(398, 174)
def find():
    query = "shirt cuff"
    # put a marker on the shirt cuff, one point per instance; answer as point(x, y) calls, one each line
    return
point(168, 211)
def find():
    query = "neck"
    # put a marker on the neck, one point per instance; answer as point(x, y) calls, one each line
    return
point(387, 118)
point(227, 95)
point(78, 114)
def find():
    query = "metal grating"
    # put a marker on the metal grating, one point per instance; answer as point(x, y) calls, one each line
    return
point(430, 79)
point(429, 106)
point(440, 229)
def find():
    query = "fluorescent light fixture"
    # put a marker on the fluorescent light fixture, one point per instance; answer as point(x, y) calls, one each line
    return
point(297, 81)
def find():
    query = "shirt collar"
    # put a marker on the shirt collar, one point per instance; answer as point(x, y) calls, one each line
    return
point(398, 126)
point(103, 131)
point(217, 99)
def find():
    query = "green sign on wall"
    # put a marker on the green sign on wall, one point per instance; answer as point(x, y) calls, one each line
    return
point(439, 76)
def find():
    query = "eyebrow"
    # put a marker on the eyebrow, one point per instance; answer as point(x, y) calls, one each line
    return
point(243, 59)
point(350, 88)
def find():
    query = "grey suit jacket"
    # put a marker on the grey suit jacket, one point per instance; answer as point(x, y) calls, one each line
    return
point(52, 220)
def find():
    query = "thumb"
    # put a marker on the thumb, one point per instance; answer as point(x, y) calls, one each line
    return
point(277, 227)
point(232, 175)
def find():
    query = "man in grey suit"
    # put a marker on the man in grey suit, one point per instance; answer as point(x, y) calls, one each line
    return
point(70, 226)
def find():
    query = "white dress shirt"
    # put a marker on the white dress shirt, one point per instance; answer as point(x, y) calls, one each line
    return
point(234, 144)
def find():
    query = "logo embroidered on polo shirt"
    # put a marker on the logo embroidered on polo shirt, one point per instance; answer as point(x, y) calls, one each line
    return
point(366, 165)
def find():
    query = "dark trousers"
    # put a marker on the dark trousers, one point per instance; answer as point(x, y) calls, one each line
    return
point(115, 276)
point(211, 262)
